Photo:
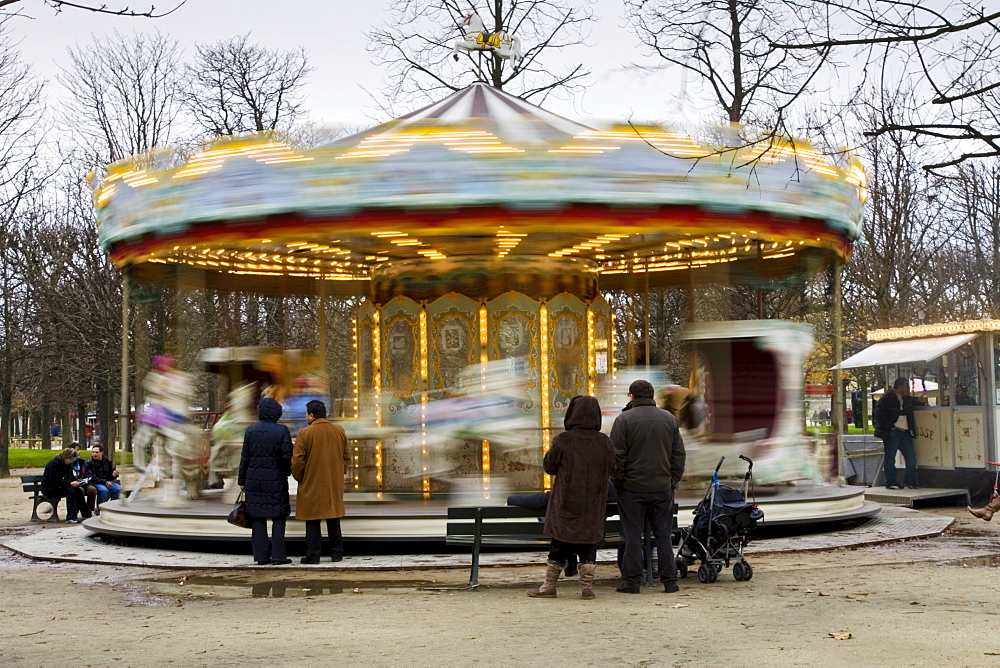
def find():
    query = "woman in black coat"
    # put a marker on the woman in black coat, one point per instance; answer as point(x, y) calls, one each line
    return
point(265, 464)
point(581, 459)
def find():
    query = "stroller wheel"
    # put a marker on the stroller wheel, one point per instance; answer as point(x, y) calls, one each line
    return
point(682, 569)
point(742, 570)
point(706, 573)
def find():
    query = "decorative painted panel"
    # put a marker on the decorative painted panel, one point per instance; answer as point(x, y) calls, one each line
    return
point(567, 352)
point(365, 361)
point(453, 324)
point(403, 470)
point(929, 442)
point(513, 334)
point(601, 314)
point(969, 439)
point(947, 441)
point(400, 326)
point(457, 468)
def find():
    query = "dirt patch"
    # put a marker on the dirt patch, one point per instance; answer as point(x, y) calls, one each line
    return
point(903, 603)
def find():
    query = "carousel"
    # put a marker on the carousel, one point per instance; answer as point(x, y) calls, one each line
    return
point(480, 234)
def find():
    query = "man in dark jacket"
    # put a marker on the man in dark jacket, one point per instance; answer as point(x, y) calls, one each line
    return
point(265, 464)
point(649, 463)
point(103, 475)
point(896, 426)
point(581, 459)
point(59, 482)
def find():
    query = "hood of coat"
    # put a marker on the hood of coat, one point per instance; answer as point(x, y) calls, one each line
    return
point(584, 412)
point(268, 410)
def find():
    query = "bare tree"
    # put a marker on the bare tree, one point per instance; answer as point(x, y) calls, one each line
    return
point(952, 47)
point(236, 86)
point(20, 123)
point(122, 95)
point(98, 8)
point(82, 308)
point(974, 207)
point(416, 46)
point(723, 48)
point(20, 177)
point(725, 45)
point(894, 273)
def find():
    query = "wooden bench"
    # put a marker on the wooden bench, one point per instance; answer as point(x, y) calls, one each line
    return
point(32, 484)
point(512, 526)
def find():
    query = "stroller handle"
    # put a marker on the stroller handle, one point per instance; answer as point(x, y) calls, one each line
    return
point(747, 460)
point(719, 465)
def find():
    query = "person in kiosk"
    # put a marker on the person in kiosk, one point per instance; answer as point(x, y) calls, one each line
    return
point(895, 425)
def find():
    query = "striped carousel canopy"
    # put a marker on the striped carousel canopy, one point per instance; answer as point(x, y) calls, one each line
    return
point(481, 177)
point(481, 104)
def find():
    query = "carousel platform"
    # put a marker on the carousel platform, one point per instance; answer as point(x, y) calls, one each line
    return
point(416, 520)
point(923, 496)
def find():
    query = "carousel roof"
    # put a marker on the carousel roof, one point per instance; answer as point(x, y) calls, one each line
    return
point(479, 174)
point(506, 115)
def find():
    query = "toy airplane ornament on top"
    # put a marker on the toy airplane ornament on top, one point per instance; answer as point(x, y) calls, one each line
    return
point(476, 38)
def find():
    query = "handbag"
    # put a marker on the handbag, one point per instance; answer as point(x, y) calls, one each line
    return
point(238, 515)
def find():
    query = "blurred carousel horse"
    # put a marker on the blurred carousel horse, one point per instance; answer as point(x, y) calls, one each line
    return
point(227, 434)
point(167, 445)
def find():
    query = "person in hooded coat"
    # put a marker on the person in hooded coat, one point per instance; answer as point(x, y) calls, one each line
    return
point(581, 459)
point(265, 464)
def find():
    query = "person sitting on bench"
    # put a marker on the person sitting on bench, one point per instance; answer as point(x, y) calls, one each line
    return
point(58, 482)
point(82, 475)
point(103, 474)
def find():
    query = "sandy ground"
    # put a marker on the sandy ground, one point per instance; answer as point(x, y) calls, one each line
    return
point(922, 602)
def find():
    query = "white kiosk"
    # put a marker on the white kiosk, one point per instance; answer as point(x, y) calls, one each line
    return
point(956, 366)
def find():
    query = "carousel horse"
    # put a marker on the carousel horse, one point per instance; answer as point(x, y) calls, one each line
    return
point(476, 38)
point(227, 434)
point(176, 450)
point(509, 47)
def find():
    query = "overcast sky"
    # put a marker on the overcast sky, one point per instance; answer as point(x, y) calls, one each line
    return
point(333, 33)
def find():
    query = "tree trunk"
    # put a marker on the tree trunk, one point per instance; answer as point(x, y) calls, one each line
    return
point(81, 425)
point(142, 349)
point(5, 426)
point(107, 418)
point(6, 396)
point(66, 420)
point(4, 444)
point(46, 429)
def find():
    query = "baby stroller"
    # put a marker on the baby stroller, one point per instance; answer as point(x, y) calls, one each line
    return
point(723, 522)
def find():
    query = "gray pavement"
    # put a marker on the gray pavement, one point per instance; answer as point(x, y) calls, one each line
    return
point(75, 544)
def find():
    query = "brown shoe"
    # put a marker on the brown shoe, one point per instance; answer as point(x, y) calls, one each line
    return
point(548, 588)
point(587, 572)
point(987, 511)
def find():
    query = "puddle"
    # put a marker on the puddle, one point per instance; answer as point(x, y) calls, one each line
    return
point(243, 586)
point(972, 532)
point(991, 561)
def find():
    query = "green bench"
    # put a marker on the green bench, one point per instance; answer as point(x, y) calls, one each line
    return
point(32, 484)
point(512, 526)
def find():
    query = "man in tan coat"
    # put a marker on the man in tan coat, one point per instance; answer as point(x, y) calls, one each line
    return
point(319, 460)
